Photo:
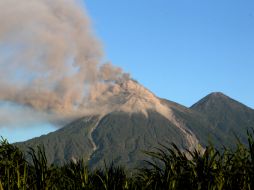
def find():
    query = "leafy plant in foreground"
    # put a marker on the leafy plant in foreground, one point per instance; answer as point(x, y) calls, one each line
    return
point(167, 167)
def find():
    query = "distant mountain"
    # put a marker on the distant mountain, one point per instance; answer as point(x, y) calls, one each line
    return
point(228, 116)
point(134, 119)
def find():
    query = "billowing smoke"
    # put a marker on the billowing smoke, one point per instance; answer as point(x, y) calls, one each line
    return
point(49, 57)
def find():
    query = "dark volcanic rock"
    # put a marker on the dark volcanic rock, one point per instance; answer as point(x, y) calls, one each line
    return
point(121, 136)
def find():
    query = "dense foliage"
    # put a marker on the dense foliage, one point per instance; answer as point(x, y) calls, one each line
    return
point(167, 167)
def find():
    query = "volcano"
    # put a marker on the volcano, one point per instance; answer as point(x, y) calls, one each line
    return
point(128, 118)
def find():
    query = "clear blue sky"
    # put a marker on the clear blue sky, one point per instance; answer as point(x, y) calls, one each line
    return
point(180, 49)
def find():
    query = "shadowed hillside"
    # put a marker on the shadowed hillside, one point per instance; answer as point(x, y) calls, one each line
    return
point(120, 136)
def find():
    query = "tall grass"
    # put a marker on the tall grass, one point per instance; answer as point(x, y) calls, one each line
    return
point(167, 167)
point(13, 167)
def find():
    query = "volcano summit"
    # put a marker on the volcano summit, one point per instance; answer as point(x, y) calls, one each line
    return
point(128, 118)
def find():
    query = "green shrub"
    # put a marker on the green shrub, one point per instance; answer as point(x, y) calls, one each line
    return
point(167, 167)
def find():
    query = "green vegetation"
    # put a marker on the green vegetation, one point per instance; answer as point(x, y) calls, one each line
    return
point(167, 167)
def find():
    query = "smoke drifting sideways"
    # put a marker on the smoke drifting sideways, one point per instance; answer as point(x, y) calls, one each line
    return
point(49, 60)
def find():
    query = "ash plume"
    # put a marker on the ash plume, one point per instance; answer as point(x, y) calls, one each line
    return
point(49, 57)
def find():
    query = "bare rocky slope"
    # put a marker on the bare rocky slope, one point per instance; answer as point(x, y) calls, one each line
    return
point(128, 118)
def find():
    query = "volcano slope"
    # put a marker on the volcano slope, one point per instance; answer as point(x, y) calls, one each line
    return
point(130, 119)
point(229, 118)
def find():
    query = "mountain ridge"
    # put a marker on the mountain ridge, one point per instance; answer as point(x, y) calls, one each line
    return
point(226, 114)
point(119, 135)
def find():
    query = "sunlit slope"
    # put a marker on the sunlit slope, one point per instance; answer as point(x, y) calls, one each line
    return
point(130, 119)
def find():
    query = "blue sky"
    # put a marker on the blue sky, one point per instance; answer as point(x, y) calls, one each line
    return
point(180, 49)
